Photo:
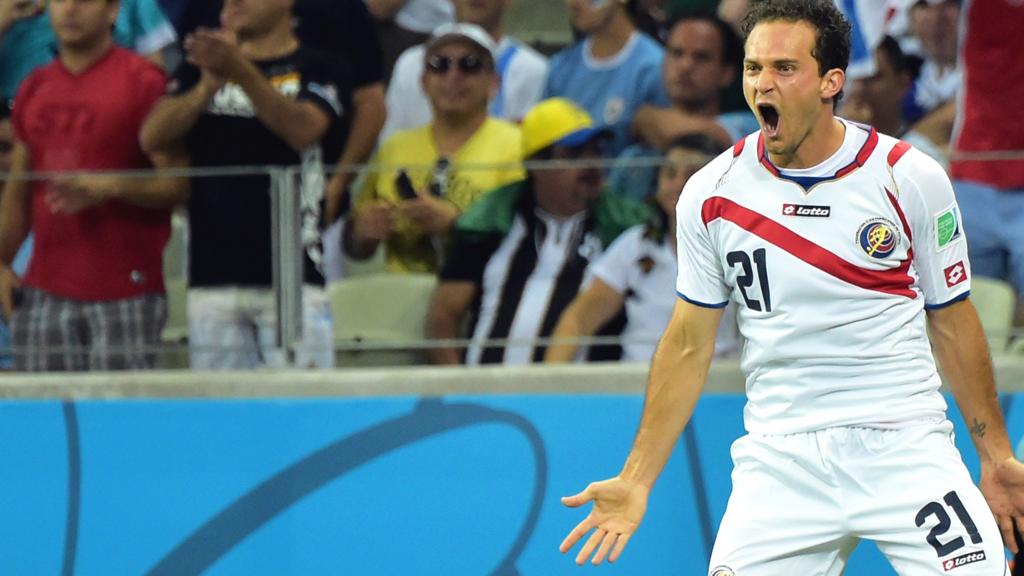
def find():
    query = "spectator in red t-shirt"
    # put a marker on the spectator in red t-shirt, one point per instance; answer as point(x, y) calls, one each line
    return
point(93, 296)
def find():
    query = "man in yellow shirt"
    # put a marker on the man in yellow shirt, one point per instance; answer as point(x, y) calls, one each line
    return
point(431, 174)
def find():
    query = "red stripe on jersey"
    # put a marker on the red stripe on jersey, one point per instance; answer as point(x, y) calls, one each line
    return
point(899, 212)
point(737, 148)
point(763, 157)
point(897, 152)
point(894, 281)
point(862, 155)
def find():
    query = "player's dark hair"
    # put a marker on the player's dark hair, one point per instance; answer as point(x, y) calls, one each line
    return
point(732, 44)
point(832, 45)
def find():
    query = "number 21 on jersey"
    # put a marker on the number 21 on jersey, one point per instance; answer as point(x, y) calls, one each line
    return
point(749, 274)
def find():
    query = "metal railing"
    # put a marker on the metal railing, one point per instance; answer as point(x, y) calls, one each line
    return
point(287, 244)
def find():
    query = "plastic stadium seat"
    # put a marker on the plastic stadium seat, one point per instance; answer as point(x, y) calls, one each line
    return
point(381, 309)
point(995, 301)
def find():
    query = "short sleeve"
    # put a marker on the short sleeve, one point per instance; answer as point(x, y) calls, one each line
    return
point(326, 82)
point(700, 278)
point(940, 245)
point(25, 91)
point(467, 258)
point(615, 265)
point(653, 89)
point(150, 29)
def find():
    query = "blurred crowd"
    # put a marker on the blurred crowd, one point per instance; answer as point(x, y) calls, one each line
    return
point(535, 184)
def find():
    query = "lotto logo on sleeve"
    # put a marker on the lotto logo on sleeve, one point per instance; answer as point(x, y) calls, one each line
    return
point(963, 560)
point(955, 274)
point(807, 211)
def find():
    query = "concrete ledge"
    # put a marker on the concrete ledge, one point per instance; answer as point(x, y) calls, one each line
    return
point(609, 378)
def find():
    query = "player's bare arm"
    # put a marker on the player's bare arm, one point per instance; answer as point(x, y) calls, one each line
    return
point(678, 372)
point(962, 353)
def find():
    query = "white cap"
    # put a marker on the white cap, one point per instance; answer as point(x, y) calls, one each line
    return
point(471, 32)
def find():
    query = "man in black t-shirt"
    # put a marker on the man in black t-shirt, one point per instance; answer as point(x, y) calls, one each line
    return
point(251, 94)
point(344, 28)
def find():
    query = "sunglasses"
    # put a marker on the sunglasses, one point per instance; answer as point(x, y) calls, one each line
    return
point(469, 64)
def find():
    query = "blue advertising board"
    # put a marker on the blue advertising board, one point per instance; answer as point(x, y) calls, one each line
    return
point(450, 485)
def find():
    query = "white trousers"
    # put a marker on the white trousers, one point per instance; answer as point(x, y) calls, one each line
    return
point(801, 502)
point(235, 329)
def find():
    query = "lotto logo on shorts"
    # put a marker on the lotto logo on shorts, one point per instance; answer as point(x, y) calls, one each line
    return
point(809, 211)
point(722, 571)
point(955, 274)
point(964, 560)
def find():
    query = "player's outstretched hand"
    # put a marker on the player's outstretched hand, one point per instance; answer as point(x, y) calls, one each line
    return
point(619, 505)
point(1002, 483)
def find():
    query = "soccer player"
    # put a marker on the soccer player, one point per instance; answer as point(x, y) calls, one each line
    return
point(845, 252)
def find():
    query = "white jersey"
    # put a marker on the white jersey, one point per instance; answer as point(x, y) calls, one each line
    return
point(642, 266)
point(832, 269)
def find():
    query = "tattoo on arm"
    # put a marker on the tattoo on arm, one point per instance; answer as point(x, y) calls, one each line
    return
point(978, 429)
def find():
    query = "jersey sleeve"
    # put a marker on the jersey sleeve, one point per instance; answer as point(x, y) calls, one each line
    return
point(940, 246)
point(700, 279)
point(614, 266)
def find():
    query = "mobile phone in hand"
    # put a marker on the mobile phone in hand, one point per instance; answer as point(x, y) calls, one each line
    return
point(404, 186)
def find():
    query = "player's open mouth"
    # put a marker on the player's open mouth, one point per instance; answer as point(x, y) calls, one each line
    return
point(769, 119)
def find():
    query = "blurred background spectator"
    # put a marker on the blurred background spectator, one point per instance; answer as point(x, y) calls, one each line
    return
point(930, 104)
point(702, 58)
point(521, 254)
point(988, 146)
point(876, 99)
point(614, 70)
point(412, 218)
point(345, 29)
point(6, 149)
point(93, 297)
point(521, 73)
point(403, 24)
point(265, 100)
point(28, 40)
point(638, 272)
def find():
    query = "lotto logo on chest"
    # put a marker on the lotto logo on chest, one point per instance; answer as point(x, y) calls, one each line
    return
point(806, 210)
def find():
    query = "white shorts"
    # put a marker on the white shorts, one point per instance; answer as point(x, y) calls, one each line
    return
point(801, 502)
point(236, 329)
